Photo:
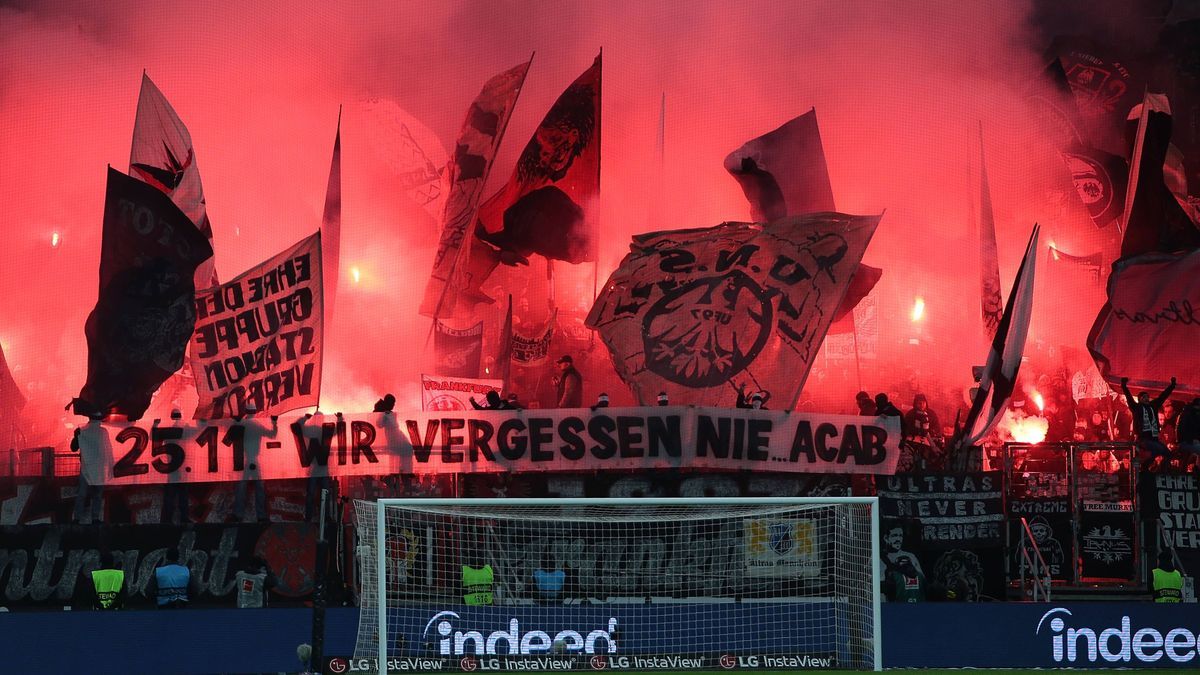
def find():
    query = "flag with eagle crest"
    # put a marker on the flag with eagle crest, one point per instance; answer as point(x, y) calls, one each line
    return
point(703, 313)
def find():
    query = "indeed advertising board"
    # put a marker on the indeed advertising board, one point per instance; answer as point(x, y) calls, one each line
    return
point(1041, 635)
point(616, 631)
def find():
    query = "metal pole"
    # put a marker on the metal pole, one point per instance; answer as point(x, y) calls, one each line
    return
point(319, 574)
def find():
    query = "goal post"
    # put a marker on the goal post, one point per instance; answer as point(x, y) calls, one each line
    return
point(619, 583)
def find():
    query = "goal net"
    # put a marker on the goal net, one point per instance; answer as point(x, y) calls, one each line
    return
point(556, 584)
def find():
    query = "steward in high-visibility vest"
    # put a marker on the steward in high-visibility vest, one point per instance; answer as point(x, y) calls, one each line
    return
point(108, 584)
point(1166, 583)
point(477, 585)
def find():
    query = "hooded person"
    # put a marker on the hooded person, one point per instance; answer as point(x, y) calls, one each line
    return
point(866, 407)
point(568, 383)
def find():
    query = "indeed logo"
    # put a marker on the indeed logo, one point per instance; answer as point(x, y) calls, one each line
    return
point(1146, 645)
point(456, 642)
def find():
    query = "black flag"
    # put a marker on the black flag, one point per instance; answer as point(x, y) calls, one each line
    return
point(145, 311)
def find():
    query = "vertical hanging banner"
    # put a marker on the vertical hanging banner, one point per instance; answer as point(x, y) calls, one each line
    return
point(457, 352)
point(533, 350)
point(259, 337)
point(699, 313)
point(454, 393)
point(1106, 543)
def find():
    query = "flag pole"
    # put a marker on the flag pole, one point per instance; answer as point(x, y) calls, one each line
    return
point(854, 343)
point(595, 211)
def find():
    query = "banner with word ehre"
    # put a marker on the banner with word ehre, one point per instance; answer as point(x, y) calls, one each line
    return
point(258, 337)
point(486, 441)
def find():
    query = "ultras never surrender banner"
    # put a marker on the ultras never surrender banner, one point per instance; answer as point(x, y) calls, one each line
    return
point(488, 441)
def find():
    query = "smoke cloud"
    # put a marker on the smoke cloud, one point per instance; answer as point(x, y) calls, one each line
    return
point(899, 88)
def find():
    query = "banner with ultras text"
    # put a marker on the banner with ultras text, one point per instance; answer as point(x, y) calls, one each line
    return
point(488, 441)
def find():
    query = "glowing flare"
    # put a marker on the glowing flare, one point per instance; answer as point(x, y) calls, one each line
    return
point(354, 273)
point(1053, 249)
point(54, 239)
point(1029, 430)
point(1038, 400)
point(918, 310)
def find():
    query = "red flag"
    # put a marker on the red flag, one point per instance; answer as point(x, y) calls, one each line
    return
point(146, 310)
point(331, 223)
point(1154, 220)
point(162, 155)
point(864, 279)
point(698, 313)
point(468, 170)
point(259, 337)
point(1147, 330)
point(989, 264)
point(546, 207)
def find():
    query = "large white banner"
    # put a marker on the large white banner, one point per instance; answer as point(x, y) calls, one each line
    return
point(489, 441)
point(258, 337)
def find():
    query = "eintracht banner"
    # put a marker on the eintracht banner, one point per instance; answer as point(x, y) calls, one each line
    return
point(486, 441)
point(258, 337)
point(440, 394)
point(701, 313)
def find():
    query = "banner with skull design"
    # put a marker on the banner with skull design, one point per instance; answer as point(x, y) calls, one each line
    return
point(703, 313)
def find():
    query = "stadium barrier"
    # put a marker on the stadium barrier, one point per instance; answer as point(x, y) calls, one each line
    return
point(919, 635)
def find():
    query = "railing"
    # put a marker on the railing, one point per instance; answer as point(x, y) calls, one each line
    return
point(1032, 560)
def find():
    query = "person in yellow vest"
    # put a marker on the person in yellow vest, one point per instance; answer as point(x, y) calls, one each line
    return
point(1166, 582)
point(108, 584)
point(477, 584)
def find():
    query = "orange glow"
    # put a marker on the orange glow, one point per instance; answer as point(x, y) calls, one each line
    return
point(918, 310)
point(355, 274)
point(1015, 426)
point(1038, 400)
point(1028, 430)
point(54, 239)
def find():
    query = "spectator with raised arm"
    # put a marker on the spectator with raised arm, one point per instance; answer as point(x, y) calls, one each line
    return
point(1145, 417)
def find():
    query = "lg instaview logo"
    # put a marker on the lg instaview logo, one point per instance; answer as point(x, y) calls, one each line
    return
point(1145, 645)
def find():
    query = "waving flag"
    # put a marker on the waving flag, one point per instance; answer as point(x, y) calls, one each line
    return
point(1153, 218)
point(700, 313)
point(547, 205)
point(468, 170)
point(331, 224)
point(11, 399)
point(457, 352)
point(783, 173)
point(145, 311)
point(1004, 359)
point(1148, 328)
point(162, 155)
point(989, 262)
